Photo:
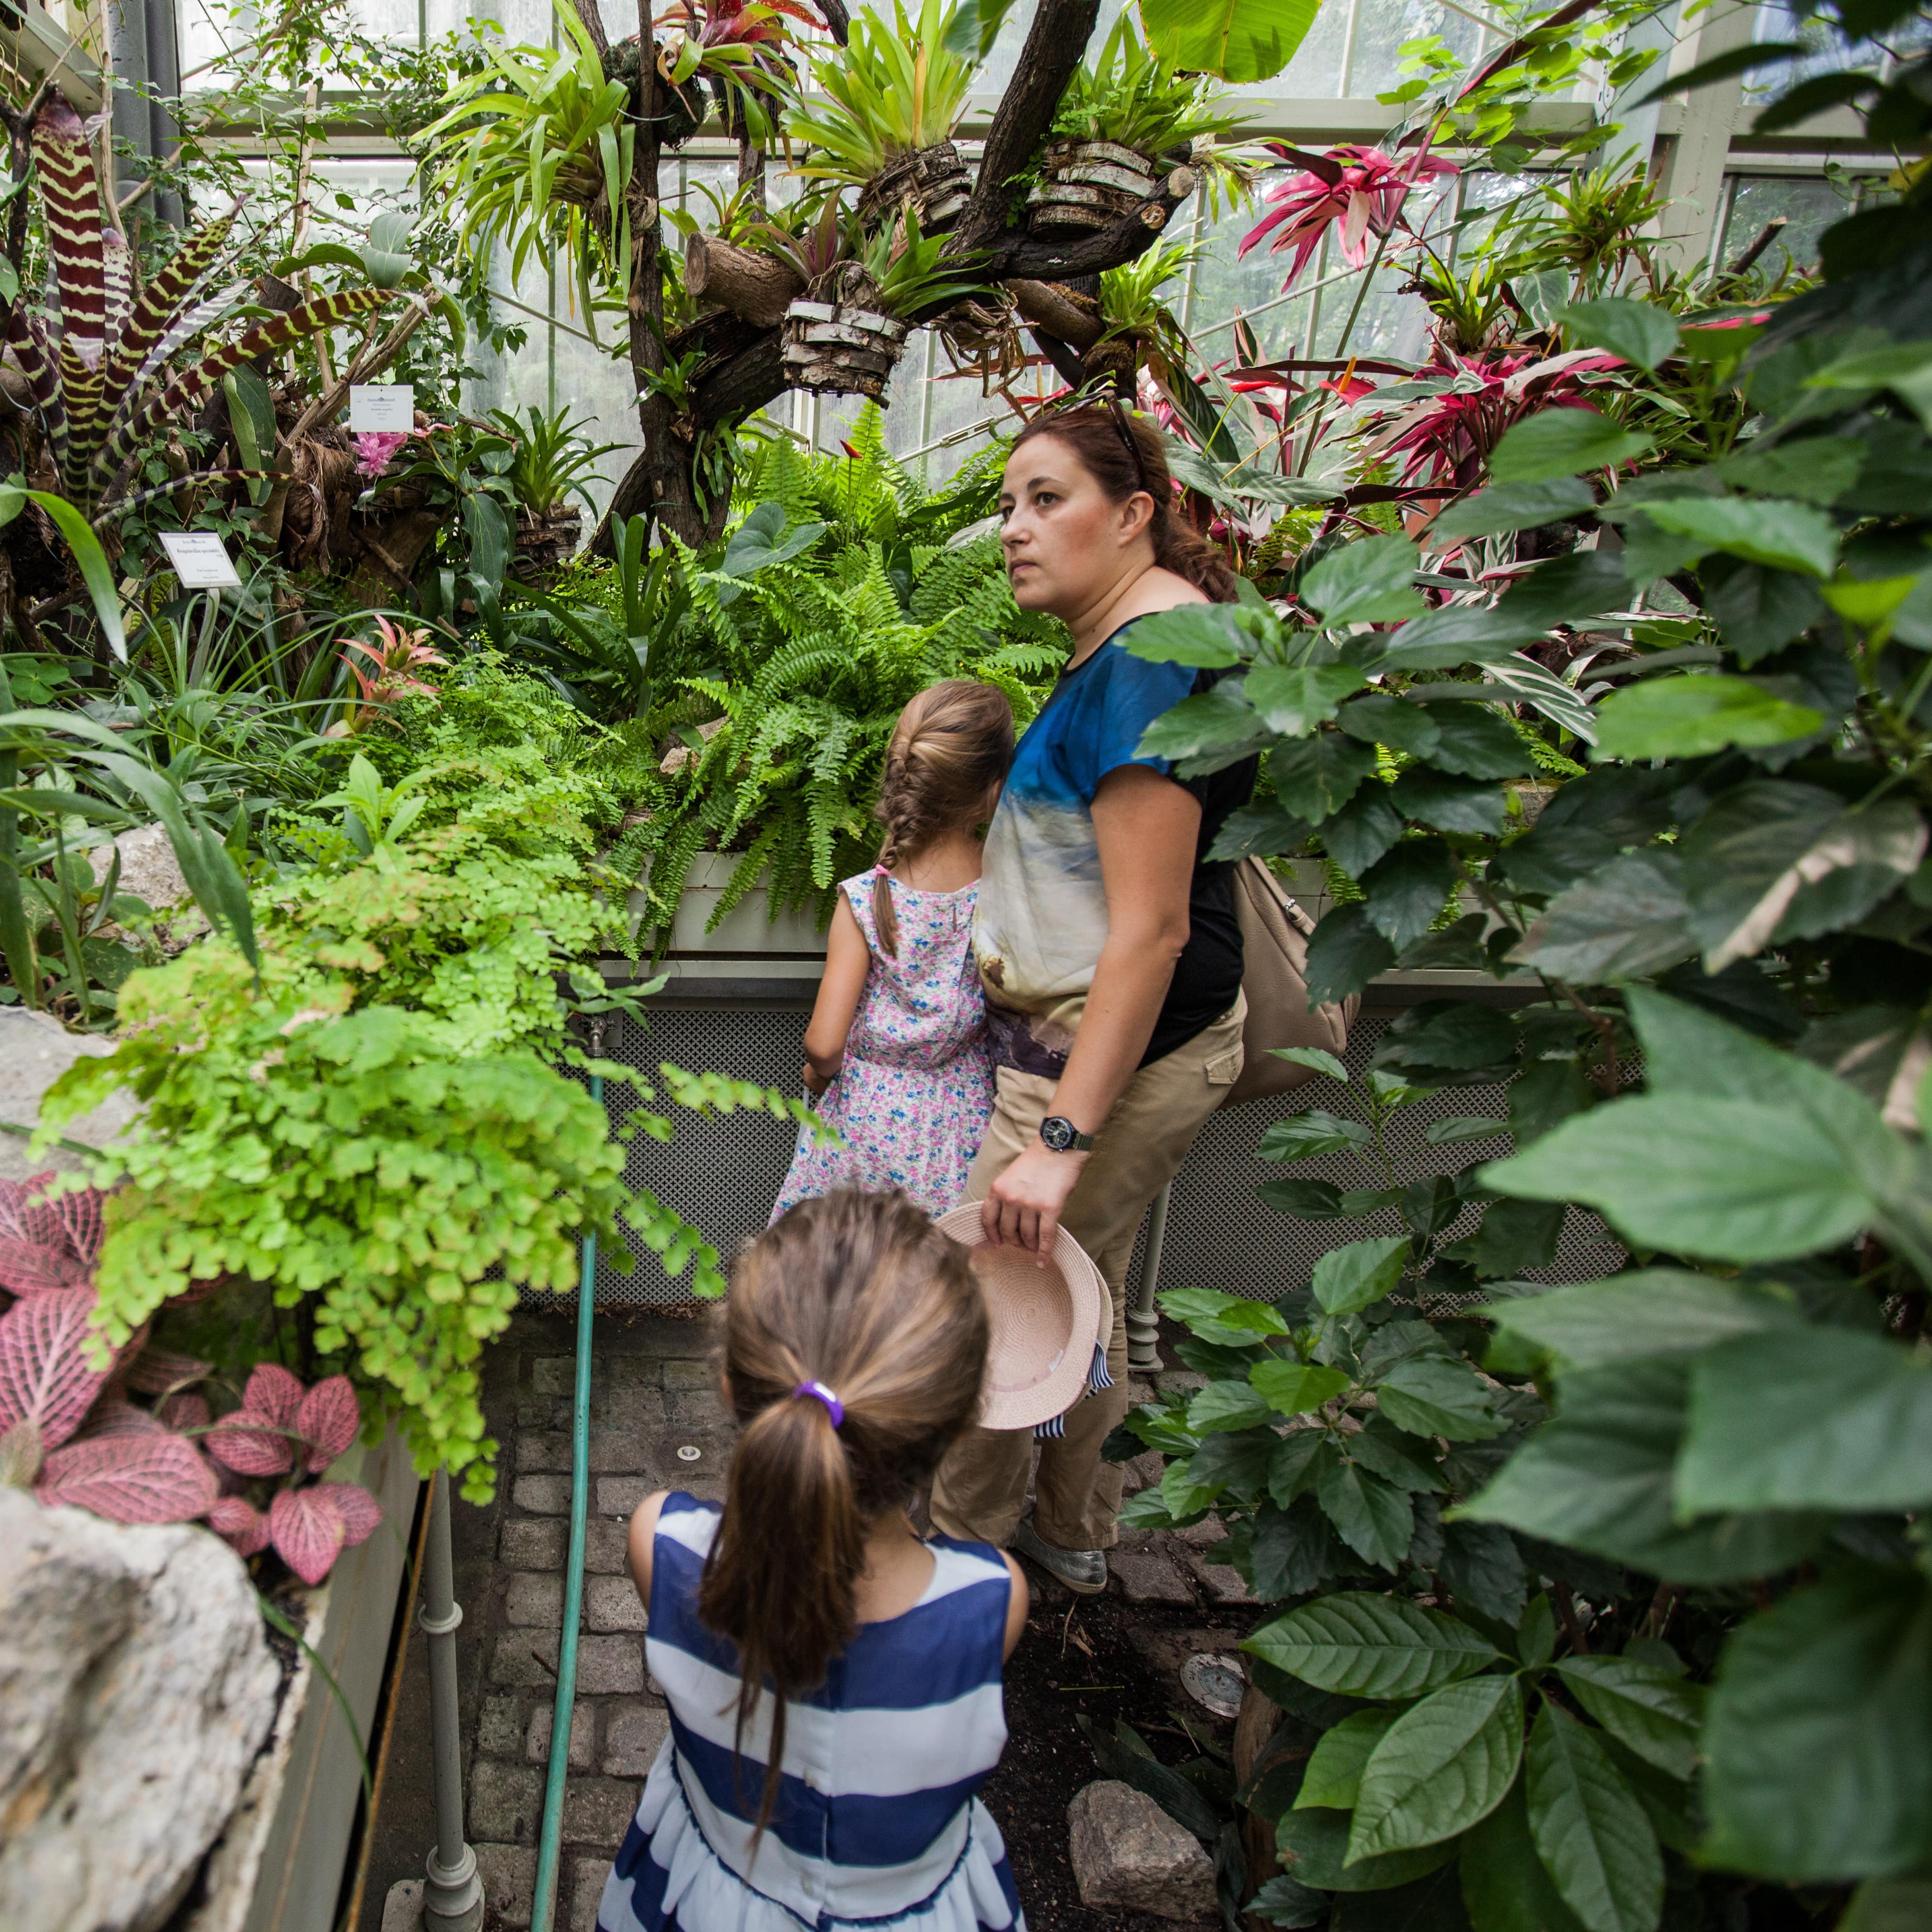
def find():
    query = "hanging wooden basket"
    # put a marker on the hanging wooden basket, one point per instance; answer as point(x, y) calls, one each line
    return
point(545, 545)
point(1088, 184)
point(836, 342)
point(935, 180)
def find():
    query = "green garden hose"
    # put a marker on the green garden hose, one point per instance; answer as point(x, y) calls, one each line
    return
point(543, 1904)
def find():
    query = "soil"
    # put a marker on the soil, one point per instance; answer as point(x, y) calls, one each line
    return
point(1110, 1660)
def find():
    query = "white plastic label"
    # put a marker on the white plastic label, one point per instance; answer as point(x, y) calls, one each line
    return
point(382, 406)
point(200, 559)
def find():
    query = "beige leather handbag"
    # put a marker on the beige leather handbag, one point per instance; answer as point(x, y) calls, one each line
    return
point(1274, 939)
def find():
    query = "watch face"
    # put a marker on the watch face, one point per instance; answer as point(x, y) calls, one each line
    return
point(1057, 1133)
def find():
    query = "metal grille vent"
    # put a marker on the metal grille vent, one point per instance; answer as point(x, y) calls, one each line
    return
point(723, 1175)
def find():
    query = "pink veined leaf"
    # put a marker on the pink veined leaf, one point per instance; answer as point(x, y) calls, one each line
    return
point(197, 1290)
point(155, 1371)
point(83, 1221)
point(14, 1196)
point(308, 1530)
point(110, 1417)
point(36, 1268)
point(44, 1375)
point(247, 1442)
point(361, 1513)
point(273, 1392)
point(327, 1420)
point(240, 1524)
point(187, 1411)
point(141, 1478)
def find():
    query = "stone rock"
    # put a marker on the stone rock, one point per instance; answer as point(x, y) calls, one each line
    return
point(136, 1689)
point(534, 1601)
point(1148, 1578)
point(148, 867)
point(34, 1052)
point(583, 1734)
point(586, 1893)
point(598, 1811)
point(612, 1603)
point(632, 1739)
point(509, 1875)
point(1127, 1851)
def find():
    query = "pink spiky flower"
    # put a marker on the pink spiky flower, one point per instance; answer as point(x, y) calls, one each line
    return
point(1363, 188)
point(376, 450)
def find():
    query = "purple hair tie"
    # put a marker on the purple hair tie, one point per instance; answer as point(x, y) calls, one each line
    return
point(819, 1392)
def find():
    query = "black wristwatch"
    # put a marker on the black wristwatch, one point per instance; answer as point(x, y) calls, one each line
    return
point(1062, 1136)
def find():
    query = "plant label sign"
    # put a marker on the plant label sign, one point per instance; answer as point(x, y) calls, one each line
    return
point(382, 406)
point(200, 559)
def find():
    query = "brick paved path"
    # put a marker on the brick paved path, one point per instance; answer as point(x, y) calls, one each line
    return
point(651, 1405)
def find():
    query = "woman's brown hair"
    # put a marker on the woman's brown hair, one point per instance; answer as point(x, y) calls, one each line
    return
point(1099, 437)
point(861, 1294)
point(952, 745)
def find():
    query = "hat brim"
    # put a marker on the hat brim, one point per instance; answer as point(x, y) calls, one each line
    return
point(1045, 1321)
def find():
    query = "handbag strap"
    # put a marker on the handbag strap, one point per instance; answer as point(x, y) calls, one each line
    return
point(1292, 907)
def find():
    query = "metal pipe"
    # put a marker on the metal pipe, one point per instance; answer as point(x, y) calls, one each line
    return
point(543, 1903)
point(453, 1894)
point(1143, 1326)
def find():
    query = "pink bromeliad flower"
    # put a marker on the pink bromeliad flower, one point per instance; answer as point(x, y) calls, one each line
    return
point(376, 450)
point(1363, 188)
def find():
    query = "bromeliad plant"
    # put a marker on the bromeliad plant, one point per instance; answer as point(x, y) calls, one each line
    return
point(1131, 96)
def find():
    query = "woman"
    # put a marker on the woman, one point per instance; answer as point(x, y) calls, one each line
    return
point(1109, 948)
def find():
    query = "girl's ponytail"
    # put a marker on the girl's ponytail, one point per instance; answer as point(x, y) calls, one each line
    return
point(859, 1298)
point(952, 745)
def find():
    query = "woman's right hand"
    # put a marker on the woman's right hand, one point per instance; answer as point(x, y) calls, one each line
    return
point(1022, 1208)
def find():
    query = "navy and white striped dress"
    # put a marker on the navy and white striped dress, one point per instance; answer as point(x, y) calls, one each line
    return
point(877, 1816)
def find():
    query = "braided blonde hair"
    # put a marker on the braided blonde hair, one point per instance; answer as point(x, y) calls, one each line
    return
point(952, 745)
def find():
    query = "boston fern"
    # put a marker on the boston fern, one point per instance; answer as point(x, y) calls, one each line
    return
point(1720, 939)
point(843, 594)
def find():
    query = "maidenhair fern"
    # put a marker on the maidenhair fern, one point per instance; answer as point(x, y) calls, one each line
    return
point(783, 686)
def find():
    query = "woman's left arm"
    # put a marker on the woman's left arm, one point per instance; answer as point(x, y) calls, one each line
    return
point(1146, 827)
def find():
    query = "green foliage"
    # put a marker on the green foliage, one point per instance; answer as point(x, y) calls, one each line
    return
point(1128, 95)
point(1239, 40)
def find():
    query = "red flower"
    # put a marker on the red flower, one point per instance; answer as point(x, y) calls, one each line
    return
point(1361, 188)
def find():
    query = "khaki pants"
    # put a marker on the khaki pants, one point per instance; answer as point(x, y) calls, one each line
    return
point(980, 1493)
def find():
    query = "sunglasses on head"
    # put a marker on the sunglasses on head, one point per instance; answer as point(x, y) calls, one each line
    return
point(1118, 417)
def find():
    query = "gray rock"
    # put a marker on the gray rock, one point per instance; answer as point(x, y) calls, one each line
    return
point(136, 1689)
point(633, 1738)
point(612, 1603)
point(586, 1893)
point(1148, 1578)
point(509, 1875)
point(583, 1734)
point(148, 867)
point(34, 1052)
point(1127, 1851)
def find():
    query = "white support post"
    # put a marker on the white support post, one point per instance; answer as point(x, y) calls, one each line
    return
point(1692, 178)
point(1143, 1326)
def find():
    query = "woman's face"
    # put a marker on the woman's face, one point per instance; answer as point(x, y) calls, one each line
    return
point(1066, 542)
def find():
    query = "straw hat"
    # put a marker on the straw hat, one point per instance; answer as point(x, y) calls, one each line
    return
point(1046, 1322)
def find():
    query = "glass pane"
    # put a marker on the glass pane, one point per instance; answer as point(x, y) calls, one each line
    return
point(1777, 20)
point(1315, 74)
point(1384, 26)
point(1810, 206)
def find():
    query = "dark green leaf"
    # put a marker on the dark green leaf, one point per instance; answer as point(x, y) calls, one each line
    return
point(1428, 1395)
point(1441, 1767)
point(1758, 610)
point(1367, 582)
point(1287, 1902)
point(1344, 955)
point(1778, 535)
point(1447, 1034)
point(1408, 887)
point(1637, 330)
point(1293, 700)
point(1515, 1236)
point(1263, 831)
point(1335, 1766)
point(1689, 717)
point(1237, 1461)
point(1590, 1832)
point(1433, 1903)
point(1314, 777)
point(1293, 1388)
point(1451, 804)
point(1294, 1550)
point(1808, 1418)
point(1380, 719)
point(1655, 1712)
point(1203, 634)
point(1478, 742)
point(1297, 1464)
point(1585, 584)
point(1373, 1518)
point(1482, 1569)
point(1352, 1277)
point(1652, 1313)
point(1515, 506)
point(1313, 1844)
point(1459, 634)
point(1301, 1136)
point(1815, 469)
point(1598, 1476)
point(1226, 1404)
point(1629, 918)
point(760, 542)
point(1219, 723)
point(1370, 1646)
point(1406, 1460)
point(1306, 1200)
point(1562, 442)
point(1546, 1093)
point(1820, 1732)
point(1504, 1885)
point(1364, 829)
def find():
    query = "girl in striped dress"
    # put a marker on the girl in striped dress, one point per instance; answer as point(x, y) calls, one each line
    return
point(833, 1680)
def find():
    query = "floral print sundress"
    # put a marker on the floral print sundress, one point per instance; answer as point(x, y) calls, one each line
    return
point(912, 1100)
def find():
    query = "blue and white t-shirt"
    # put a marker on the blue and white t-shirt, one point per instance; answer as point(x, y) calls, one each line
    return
point(1042, 915)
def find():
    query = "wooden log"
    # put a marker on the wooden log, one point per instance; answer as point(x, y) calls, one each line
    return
point(1072, 319)
point(758, 286)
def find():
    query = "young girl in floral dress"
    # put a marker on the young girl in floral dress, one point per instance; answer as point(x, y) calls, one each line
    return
point(896, 1049)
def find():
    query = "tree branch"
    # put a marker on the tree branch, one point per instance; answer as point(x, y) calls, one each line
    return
point(593, 26)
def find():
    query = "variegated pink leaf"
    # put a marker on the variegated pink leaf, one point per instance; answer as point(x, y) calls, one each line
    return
point(361, 1513)
point(250, 1444)
point(274, 1393)
point(197, 1290)
point(186, 1412)
point(328, 1420)
point(308, 1530)
point(110, 1417)
point(240, 1523)
point(35, 1268)
point(14, 1196)
point(44, 1375)
point(141, 1478)
point(83, 1223)
point(155, 1371)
